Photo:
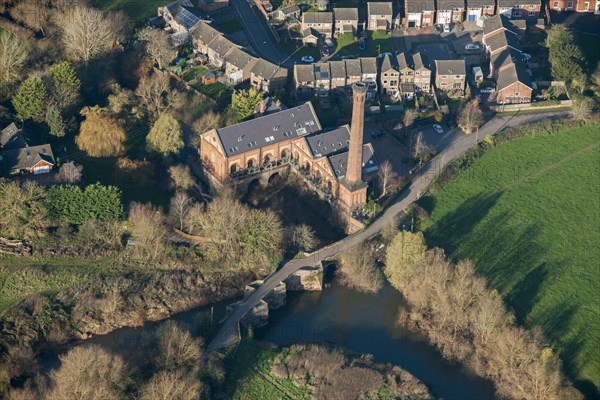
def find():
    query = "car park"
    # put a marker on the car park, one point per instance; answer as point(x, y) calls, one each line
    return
point(308, 59)
point(438, 128)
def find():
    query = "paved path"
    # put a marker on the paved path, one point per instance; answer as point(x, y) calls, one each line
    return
point(228, 335)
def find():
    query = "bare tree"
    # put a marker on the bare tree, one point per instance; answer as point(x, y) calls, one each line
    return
point(148, 229)
point(418, 147)
point(87, 372)
point(181, 177)
point(470, 117)
point(595, 79)
point(302, 237)
point(13, 54)
point(179, 207)
point(358, 269)
point(170, 385)
point(70, 172)
point(209, 120)
point(582, 109)
point(385, 174)
point(86, 32)
point(177, 348)
point(156, 94)
point(409, 118)
point(158, 46)
point(32, 13)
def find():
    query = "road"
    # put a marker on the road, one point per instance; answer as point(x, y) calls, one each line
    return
point(260, 35)
point(228, 335)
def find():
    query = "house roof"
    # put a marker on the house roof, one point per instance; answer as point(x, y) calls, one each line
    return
point(185, 13)
point(496, 22)
point(414, 6)
point(368, 65)
point(12, 137)
point(205, 32)
point(345, 14)
point(322, 71)
point(502, 39)
point(419, 61)
point(512, 74)
point(310, 32)
point(387, 63)
point(339, 162)
point(332, 142)
point(25, 158)
point(450, 67)
point(338, 69)
point(317, 17)
point(267, 70)
point(304, 73)
point(269, 129)
point(239, 58)
point(449, 4)
point(221, 45)
point(473, 4)
point(402, 62)
point(504, 58)
point(289, 10)
point(379, 8)
point(353, 67)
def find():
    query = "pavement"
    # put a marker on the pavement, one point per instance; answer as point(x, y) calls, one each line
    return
point(458, 145)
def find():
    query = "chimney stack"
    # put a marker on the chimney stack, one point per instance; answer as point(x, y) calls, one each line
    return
point(354, 170)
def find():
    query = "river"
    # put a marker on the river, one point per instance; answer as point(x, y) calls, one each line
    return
point(360, 323)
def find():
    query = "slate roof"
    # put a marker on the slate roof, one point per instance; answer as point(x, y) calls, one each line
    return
point(338, 69)
point(269, 129)
point(402, 61)
point(418, 6)
point(317, 17)
point(345, 14)
point(379, 8)
point(12, 137)
point(339, 162)
point(332, 142)
point(419, 61)
point(304, 73)
point(474, 4)
point(368, 65)
point(25, 158)
point(205, 32)
point(289, 10)
point(449, 4)
point(353, 67)
point(450, 67)
point(512, 74)
point(310, 32)
point(239, 58)
point(221, 45)
point(266, 69)
point(502, 39)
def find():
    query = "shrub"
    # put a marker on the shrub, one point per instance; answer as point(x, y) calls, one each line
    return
point(76, 205)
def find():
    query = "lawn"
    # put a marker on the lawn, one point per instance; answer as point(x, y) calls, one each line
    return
point(527, 214)
point(216, 91)
point(346, 46)
point(380, 41)
point(300, 51)
point(135, 9)
point(194, 72)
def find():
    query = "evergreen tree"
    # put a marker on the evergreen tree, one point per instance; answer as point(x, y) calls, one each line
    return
point(165, 136)
point(244, 103)
point(55, 121)
point(65, 85)
point(29, 102)
point(566, 59)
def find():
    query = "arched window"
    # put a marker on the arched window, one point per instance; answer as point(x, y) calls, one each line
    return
point(267, 159)
point(307, 166)
point(297, 156)
point(233, 168)
point(250, 163)
point(283, 154)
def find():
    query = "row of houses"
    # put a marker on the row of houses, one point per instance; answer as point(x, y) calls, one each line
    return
point(403, 75)
point(501, 37)
point(584, 6)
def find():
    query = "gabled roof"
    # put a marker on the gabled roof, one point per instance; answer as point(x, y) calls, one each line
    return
point(379, 8)
point(345, 14)
point(239, 58)
point(269, 129)
point(511, 75)
point(25, 158)
point(310, 32)
point(339, 162)
point(322, 71)
point(418, 6)
point(304, 73)
point(353, 67)
point(450, 67)
point(387, 63)
point(502, 39)
point(474, 4)
point(449, 4)
point(221, 45)
point(368, 65)
point(504, 58)
point(12, 137)
point(289, 10)
point(334, 141)
point(402, 61)
point(419, 61)
point(317, 17)
point(184, 12)
point(497, 22)
point(205, 32)
point(338, 69)
point(267, 70)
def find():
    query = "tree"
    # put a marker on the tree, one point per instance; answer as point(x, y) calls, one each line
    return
point(156, 94)
point(470, 117)
point(70, 172)
point(181, 177)
point(385, 174)
point(55, 122)
point(566, 59)
point(403, 254)
point(13, 54)
point(65, 85)
point(179, 207)
point(302, 237)
point(32, 13)
point(177, 349)
point(165, 136)
point(409, 117)
point(358, 269)
point(167, 385)
point(23, 212)
point(99, 134)
point(209, 120)
point(582, 109)
point(149, 231)
point(86, 33)
point(30, 100)
point(595, 80)
point(244, 103)
point(87, 372)
point(418, 147)
point(158, 46)
point(76, 205)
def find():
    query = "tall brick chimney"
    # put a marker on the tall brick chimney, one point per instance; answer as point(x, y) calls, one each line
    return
point(354, 169)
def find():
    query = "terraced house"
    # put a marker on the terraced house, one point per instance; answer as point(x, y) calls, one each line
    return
point(478, 8)
point(267, 76)
point(238, 65)
point(419, 13)
point(449, 11)
point(450, 75)
point(584, 6)
point(180, 16)
point(388, 76)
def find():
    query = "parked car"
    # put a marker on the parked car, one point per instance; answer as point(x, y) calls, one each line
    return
point(361, 44)
point(471, 47)
point(325, 51)
point(308, 59)
point(438, 128)
point(376, 134)
point(487, 90)
point(447, 27)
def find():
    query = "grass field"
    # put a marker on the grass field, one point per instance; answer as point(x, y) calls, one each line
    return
point(527, 213)
point(346, 46)
point(137, 10)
